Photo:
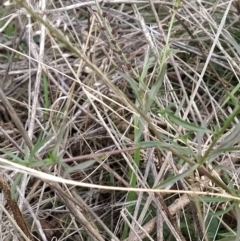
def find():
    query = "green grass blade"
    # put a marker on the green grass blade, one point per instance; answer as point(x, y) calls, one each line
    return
point(172, 180)
point(191, 127)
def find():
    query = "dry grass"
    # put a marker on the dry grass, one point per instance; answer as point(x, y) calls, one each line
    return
point(119, 120)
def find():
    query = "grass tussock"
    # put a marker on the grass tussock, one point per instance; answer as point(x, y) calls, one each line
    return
point(119, 120)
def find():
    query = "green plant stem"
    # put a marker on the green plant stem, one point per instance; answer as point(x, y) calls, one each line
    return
point(106, 81)
point(226, 124)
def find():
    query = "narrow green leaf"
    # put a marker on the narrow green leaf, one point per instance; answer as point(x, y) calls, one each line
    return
point(220, 213)
point(155, 88)
point(38, 145)
point(213, 225)
point(46, 92)
point(15, 184)
point(146, 65)
point(132, 83)
point(187, 125)
point(174, 179)
point(215, 153)
point(80, 166)
point(15, 158)
point(231, 238)
point(163, 145)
